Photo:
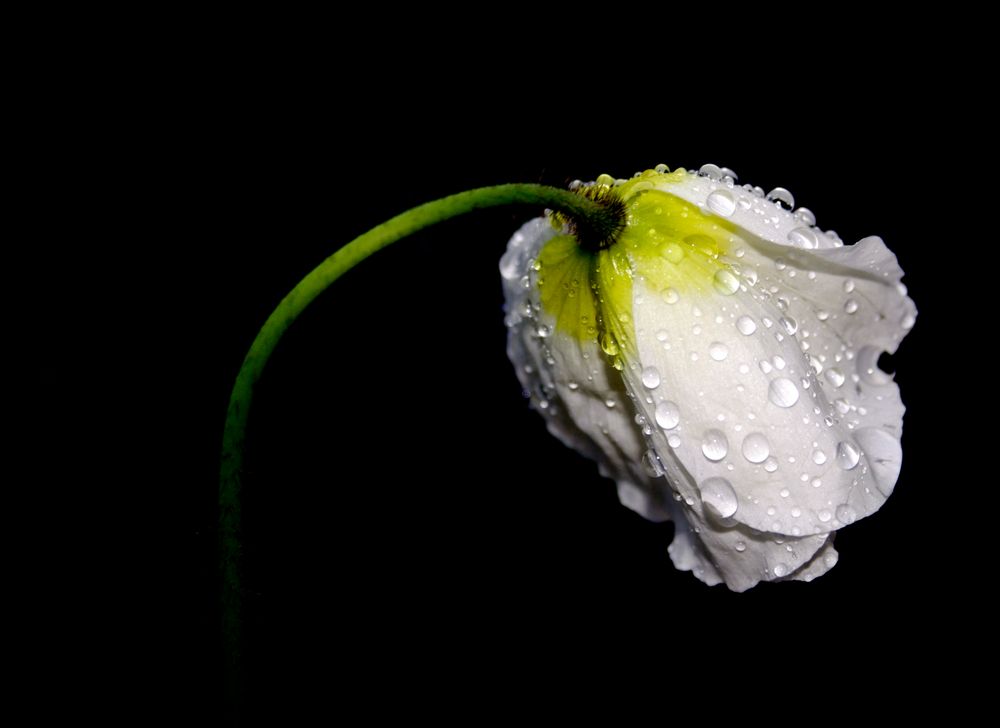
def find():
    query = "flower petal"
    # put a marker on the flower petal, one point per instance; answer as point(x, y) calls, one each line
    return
point(567, 379)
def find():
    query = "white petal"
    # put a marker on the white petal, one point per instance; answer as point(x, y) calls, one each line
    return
point(582, 399)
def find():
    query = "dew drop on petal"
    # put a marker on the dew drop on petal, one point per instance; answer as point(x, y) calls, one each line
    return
point(740, 546)
point(725, 282)
point(756, 448)
point(848, 455)
point(674, 440)
point(850, 306)
point(783, 392)
point(789, 324)
point(670, 295)
point(846, 514)
point(803, 237)
point(667, 415)
point(824, 516)
point(651, 464)
point(721, 203)
point(780, 570)
point(782, 196)
point(771, 464)
point(834, 376)
point(651, 377)
point(848, 286)
point(717, 350)
point(719, 497)
point(745, 325)
point(805, 215)
point(819, 457)
point(714, 445)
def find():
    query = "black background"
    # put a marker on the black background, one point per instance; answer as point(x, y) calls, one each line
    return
point(411, 529)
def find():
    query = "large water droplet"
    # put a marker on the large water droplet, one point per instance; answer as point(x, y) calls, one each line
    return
point(782, 197)
point(848, 286)
point(789, 324)
point(740, 546)
point(824, 516)
point(783, 392)
point(719, 497)
point(711, 171)
point(721, 203)
point(652, 465)
point(714, 445)
point(780, 570)
point(846, 514)
point(651, 377)
point(717, 350)
point(667, 415)
point(805, 215)
point(756, 448)
point(819, 457)
point(725, 282)
point(850, 306)
point(745, 325)
point(834, 376)
point(848, 455)
point(803, 237)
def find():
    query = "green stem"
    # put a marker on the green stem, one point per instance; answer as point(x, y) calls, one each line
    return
point(595, 218)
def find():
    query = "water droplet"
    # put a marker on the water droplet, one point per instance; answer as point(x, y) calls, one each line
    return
point(790, 325)
point(717, 350)
point(824, 515)
point(719, 497)
point(651, 377)
point(803, 237)
point(667, 415)
point(756, 448)
point(805, 215)
point(796, 512)
point(573, 386)
point(750, 276)
point(714, 445)
point(782, 196)
point(711, 171)
point(740, 546)
point(780, 570)
point(662, 335)
point(819, 457)
point(834, 376)
point(651, 463)
point(726, 172)
point(783, 392)
point(846, 514)
point(605, 179)
point(770, 465)
point(745, 325)
point(765, 366)
point(608, 344)
point(661, 168)
point(609, 403)
point(671, 296)
point(850, 306)
point(674, 440)
point(848, 455)
point(725, 282)
point(908, 321)
point(721, 203)
point(779, 362)
point(672, 252)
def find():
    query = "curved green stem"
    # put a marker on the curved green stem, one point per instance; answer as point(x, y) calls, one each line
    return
point(588, 215)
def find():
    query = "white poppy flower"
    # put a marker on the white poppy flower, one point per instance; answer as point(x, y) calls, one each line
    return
point(719, 361)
